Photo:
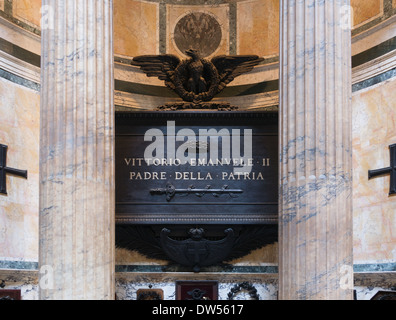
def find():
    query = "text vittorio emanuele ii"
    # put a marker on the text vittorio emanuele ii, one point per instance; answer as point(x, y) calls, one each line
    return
point(196, 156)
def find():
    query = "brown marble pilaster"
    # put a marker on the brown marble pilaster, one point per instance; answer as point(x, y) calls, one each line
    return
point(76, 249)
point(315, 217)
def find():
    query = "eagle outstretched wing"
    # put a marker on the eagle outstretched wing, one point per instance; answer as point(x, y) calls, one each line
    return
point(161, 66)
point(230, 67)
point(141, 239)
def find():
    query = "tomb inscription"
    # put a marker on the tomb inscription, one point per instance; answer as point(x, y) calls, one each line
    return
point(206, 167)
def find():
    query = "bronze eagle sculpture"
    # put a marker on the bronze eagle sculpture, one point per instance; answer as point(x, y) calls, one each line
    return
point(196, 80)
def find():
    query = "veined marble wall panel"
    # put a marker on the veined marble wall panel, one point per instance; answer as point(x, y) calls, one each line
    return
point(374, 129)
point(135, 28)
point(219, 12)
point(256, 34)
point(27, 11)
point(19, 123)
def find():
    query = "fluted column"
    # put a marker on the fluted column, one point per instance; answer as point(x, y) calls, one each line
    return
point(76, 251)
point(315, 217)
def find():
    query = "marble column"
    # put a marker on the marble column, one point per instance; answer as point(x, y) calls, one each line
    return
point(315, 215)
point(76, 248)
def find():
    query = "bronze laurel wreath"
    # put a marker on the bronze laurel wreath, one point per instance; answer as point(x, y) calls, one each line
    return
point(244, 286)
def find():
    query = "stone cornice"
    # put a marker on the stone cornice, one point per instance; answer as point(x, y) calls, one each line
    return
point(17, 36)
